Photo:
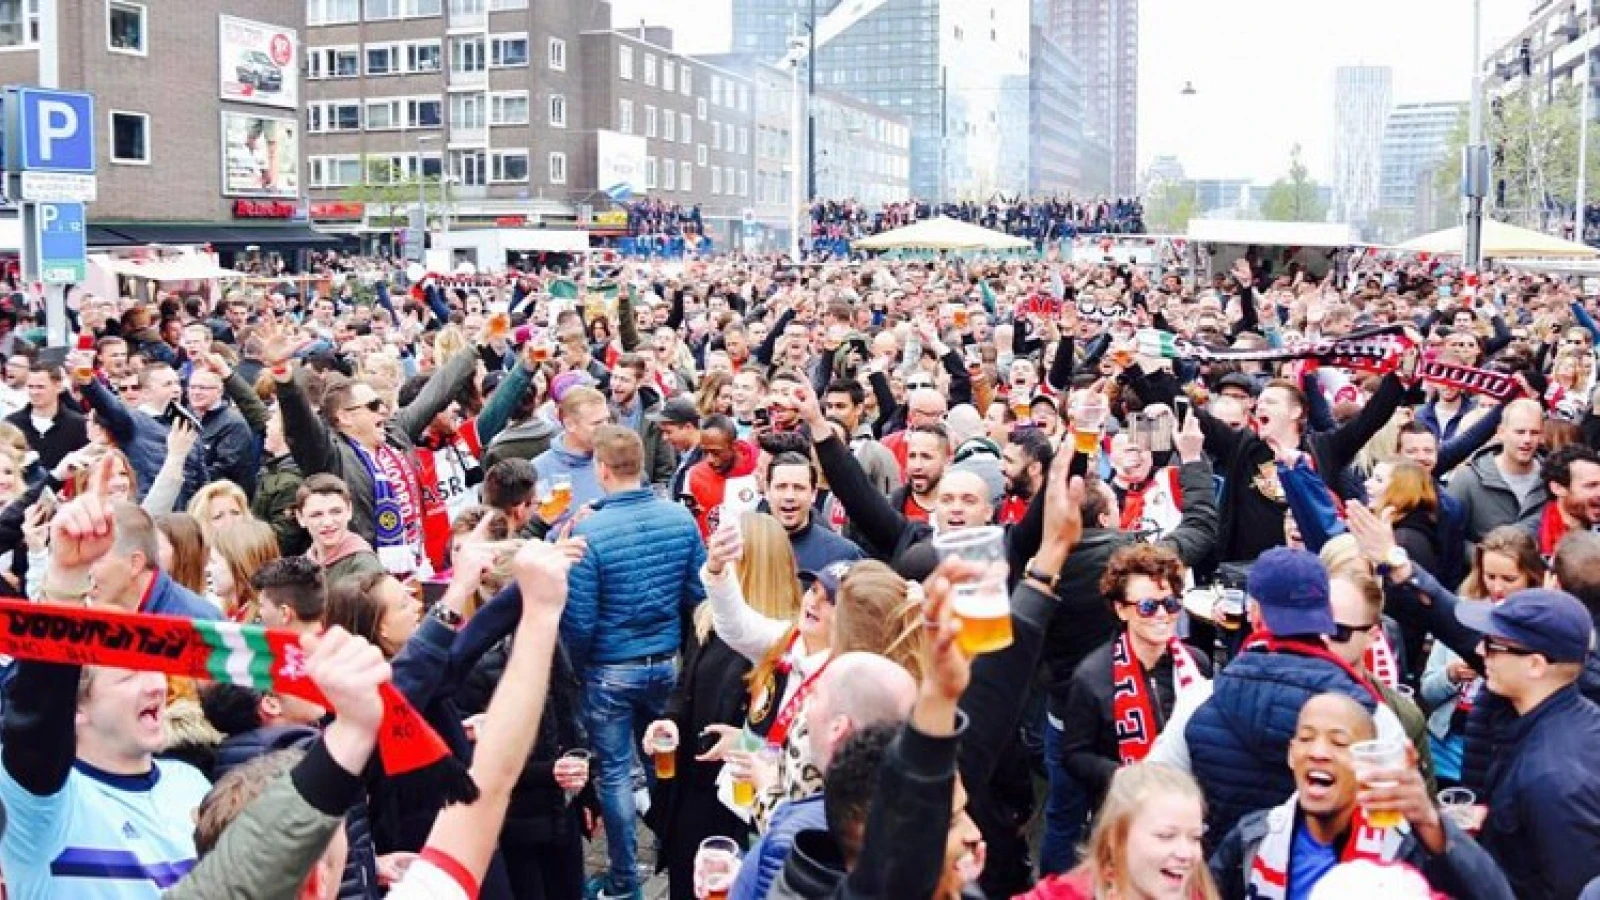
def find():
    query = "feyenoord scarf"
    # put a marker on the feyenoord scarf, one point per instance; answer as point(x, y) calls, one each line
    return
point(1375, 350)
point(252, 656)
point(1269, 871)
point(1132, 708)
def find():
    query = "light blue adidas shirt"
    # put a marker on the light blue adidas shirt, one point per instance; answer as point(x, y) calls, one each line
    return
point(102, 836)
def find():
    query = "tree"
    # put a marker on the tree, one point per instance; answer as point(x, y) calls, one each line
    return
point(1170, 206)
point(1294, 199)
point(388, 191)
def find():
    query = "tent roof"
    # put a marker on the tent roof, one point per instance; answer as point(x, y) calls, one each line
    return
point(941, 233)
point(1499, 241)
point(1272, 234)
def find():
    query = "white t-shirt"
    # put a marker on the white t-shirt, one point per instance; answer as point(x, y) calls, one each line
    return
point(435, 876)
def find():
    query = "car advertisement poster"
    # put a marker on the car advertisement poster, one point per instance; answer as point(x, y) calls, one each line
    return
point(260, 63)
point(261, 156)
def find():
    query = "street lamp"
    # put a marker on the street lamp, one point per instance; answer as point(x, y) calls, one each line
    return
point(422, 186)
point(1188, 89)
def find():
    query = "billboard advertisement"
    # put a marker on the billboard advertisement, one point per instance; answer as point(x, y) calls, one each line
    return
point(620, 173)
point(260, 63)
point(260, 156)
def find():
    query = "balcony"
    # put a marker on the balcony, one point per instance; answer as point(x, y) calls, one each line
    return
point(468, 137)
point(468, 79)
point(468, 21)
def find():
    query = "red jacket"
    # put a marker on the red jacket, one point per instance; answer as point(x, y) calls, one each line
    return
point(718, 496)
point(437, 498)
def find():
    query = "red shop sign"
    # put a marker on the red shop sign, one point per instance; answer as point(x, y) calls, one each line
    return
point(340, 212)
point(264, 209)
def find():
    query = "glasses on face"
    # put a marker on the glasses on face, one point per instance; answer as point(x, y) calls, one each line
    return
point(1342, 633)
point(1148, 607)
point(1495, 645)
point(918, 385)
point(373, 405)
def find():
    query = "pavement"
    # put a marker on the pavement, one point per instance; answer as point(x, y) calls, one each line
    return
point(594, 858)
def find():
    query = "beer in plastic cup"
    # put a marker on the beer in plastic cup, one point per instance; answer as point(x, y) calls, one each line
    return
point(1379, 756)
point(85, 369)
point(744, 791)
point(716, 865)
point(665, 751)
point(982, 606)
point(578, 755)
point(959, 314)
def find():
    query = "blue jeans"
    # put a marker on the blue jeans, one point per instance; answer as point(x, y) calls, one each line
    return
point(1066, 808)
point(619, 702)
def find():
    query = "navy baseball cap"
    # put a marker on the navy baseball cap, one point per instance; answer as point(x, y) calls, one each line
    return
point(1553, 624)
point(1291, 587)
point(829, 576)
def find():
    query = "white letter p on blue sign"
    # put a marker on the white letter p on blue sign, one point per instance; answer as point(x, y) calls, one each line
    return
point(58, 121)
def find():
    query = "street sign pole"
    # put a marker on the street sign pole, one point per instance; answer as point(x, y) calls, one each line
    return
point(50, 169)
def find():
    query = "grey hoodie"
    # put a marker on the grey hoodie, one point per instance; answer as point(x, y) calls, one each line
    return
point(1487, 502)
point(524, 441)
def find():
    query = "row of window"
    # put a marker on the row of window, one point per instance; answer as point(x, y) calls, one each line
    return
point(467, 54)
point(127, 25)
point(467, 111)
point(342, 12)
point(467, 167)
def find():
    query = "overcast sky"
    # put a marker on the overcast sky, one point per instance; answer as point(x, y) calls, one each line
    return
point(1262, 69)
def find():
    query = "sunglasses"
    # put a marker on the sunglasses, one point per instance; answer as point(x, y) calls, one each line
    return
point(1148, 608)
point(918, 385)
point(1343, 633)
point(373, 405)
point(1495, 645)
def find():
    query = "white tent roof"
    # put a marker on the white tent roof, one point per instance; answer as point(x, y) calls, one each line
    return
point(941, 233)
point(187, 268)
point(544, 240)
point(1499, 241)
point(1272, 234)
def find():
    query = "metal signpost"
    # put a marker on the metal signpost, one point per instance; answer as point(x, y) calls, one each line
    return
point(50, 168)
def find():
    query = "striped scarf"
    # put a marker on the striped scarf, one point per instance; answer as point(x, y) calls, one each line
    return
point(252, 656)
point(1269, 870)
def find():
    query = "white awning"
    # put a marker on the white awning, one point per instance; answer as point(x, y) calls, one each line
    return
point(1272, 234)
point(544, 240)
point(165, 269)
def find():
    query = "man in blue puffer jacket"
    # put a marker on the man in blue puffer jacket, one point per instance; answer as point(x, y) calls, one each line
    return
point(1239, 739)
point(638, 579)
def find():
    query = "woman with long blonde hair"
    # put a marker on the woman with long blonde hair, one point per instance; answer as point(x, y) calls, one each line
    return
point(1148, 829)
point(237, 553)
point(219, 506)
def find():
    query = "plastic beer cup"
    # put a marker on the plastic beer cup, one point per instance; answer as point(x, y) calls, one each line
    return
point(982, 606)
point(1371, 757)
point(579, 755)
point(1459, 804)
point(665, 752)
point(716, 865)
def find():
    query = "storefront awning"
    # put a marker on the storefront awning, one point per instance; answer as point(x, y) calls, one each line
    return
point(166, 269)
point(133, 234)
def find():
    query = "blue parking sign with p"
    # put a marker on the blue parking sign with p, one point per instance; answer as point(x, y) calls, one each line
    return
point(55, 131)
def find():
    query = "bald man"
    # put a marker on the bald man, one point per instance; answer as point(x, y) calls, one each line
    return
point(855, 691)
point(1502, 484)
point(924, 406)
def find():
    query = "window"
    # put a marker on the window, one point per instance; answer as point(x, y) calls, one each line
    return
point(335, 171)
point(508, 50)
point(625, 62)
point(700, 109)
point(669, 73)
point(716, 180)
point(625, 116)
point(332, 12)
point(685, 128)
point(650, 69)
point(650, 168)
point(416, 9)
point(685, 177)
point(463, 12)
point(422, 56)
point(383, 60)
point(333, 62)
point(19, 23)
point(383, 115)
point(716, 90)
point(558, 168)
point(467, 111)
point(503, 5)
point(744, 98)
point(669, 125)
point(126, 28)
point(700, 155)
point(510, 108)
point(470, 167)
point(651, 123)
point(744, 139)
point(508, 165)
point(424, 113)
point(378, 10)
point(716, 137)
point(744, 183)
point(727, 137)
point(686, 80)
point(558, 54)
point(558, 111)
point(333, 115)
point(466, 54)
point(130, 138)
point(669, 175)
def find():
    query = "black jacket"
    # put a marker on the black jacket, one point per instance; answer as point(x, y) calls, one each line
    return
point(70, 432)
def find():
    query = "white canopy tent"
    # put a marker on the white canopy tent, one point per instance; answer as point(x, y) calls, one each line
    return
point(1500, 241)
point(941, 233)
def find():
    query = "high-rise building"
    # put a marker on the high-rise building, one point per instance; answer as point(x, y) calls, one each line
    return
point(1416, 139)
point(1056, 115)
point(956, 69)
point(1361, 100)
point(1103, 37)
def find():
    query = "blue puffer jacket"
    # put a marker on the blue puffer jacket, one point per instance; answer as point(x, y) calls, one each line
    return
point(641, 574)
point(766, 858)
point(1239, 739)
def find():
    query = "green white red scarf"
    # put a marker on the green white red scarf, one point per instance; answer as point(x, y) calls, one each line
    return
point(252, 656)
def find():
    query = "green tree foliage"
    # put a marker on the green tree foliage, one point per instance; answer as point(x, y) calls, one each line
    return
point(1533, 148)
point(1294, 198)
point(1170, 207)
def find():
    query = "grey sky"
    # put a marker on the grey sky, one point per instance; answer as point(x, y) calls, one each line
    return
point(1263, 69)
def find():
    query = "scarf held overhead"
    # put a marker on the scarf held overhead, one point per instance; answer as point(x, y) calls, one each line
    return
point(251, 656)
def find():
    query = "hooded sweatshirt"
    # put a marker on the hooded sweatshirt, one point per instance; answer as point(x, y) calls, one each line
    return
point(717, 497)
point(559, 460)
point(524, 441)
point(352, 556)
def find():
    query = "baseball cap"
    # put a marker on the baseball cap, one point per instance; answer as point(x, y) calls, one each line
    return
point(1291, 587)
point(1553, 624)
point(678, 411)
point(829, 576)
point(1238, 381)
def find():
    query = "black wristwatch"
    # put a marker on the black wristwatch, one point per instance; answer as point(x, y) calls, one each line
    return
point(447, 617)
point(1045, 578)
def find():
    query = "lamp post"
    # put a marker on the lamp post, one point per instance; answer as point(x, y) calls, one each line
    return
point(1475, 161)
point(1583, 151)
point(422, 184)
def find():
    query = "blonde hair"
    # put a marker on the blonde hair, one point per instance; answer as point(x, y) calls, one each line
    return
point(200, 505)
point(769, 582)
point(245, 547)
point(1132, 789)
point(879, 612)
point(447, 343)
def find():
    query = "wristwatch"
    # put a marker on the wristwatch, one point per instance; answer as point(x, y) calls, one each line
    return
point(1395, 558)
point(447, 617)
point(1047, 579)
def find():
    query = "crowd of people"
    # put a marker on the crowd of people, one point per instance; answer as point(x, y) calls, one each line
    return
point(838, 578)
point(1037, 220)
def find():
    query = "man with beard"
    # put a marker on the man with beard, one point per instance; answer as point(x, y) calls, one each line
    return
point(1502, 484)
point(635, 404)
point(1285, 851)
point(791, 498)
point(927, 456)
point(1023, 462)
point(1572, 476)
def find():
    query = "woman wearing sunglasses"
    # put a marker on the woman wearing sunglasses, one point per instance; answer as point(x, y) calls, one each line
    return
point(1125, 694)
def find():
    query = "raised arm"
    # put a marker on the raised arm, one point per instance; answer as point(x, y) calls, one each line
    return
point(442, 387)
point(310, 440)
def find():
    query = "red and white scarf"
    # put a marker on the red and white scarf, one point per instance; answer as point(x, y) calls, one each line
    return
point(1269, 870)
point(1133, 709)
point(1380, 662)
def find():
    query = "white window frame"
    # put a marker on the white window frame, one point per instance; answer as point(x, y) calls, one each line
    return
point(497, 98)
point(557, 53)
point(669, 125)
point(716, 137)
point(744, 140)
point(27, 23)
point(557, 104)
point(744, 182)
point(111, 132)
point(744, 98)
point(471, 102)
point(625, 62)
point(395, 5)
point(652, 124)
point(322, 8)
point(413, 110)
point(464, 40)
point(557, 168)
point(497, 160)
point(412, 49)
point(409, 10)
point(650, 70)
point(716, 181)
point(326, 107)
point(506, 5)
point(498, 40)
point(669, 175)
point(144, 27)
point(397, 114)
point(625, 115)
point(685, 176)
point(316, 57)
point(686, 80)
point(700, 155)
point(700, 108)
point(651, 167)
point(669, 75)
point(397, 61)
